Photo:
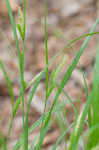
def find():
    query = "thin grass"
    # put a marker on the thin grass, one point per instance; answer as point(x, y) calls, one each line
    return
point(20, 55)
point(62, 84)
point(61, 137)
point(8, 83)
point(15, 108)
point(60, 35)
point(3, 141)
point(46, 117)
point(94, 116)
point(80, 122)
point(46, 50)
point(13, 27)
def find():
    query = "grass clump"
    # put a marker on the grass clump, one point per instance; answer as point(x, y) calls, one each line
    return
point(90, 109)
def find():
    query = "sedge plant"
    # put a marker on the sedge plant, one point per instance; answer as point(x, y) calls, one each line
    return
point(45, 120)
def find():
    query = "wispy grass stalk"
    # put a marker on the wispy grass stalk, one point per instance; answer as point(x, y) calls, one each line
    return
point(62, 84)
point(8, 83)
point(94, 116)
point(78, 128)
point(13, 27)
point(46, 50)
point(20, 54)
point(46, 117)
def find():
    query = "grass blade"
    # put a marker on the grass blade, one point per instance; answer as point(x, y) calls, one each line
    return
point(15, 108)
point(46, 50)
point(61, 137)
point(76, 133)
point(93, 137)
point(8, 82)
point(13, 27)
point(64, 81)
point(24, 27)
point(28, 107)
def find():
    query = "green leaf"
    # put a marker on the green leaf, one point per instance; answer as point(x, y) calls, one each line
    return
point(13, 27)
point(93, 138)
point(8, 82)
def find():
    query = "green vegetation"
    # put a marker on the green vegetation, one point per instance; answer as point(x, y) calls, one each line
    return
point(90, 109)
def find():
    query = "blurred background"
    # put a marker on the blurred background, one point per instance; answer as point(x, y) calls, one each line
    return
point(67, 19)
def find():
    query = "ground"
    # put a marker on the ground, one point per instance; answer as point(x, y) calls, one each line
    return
point(68, 20)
